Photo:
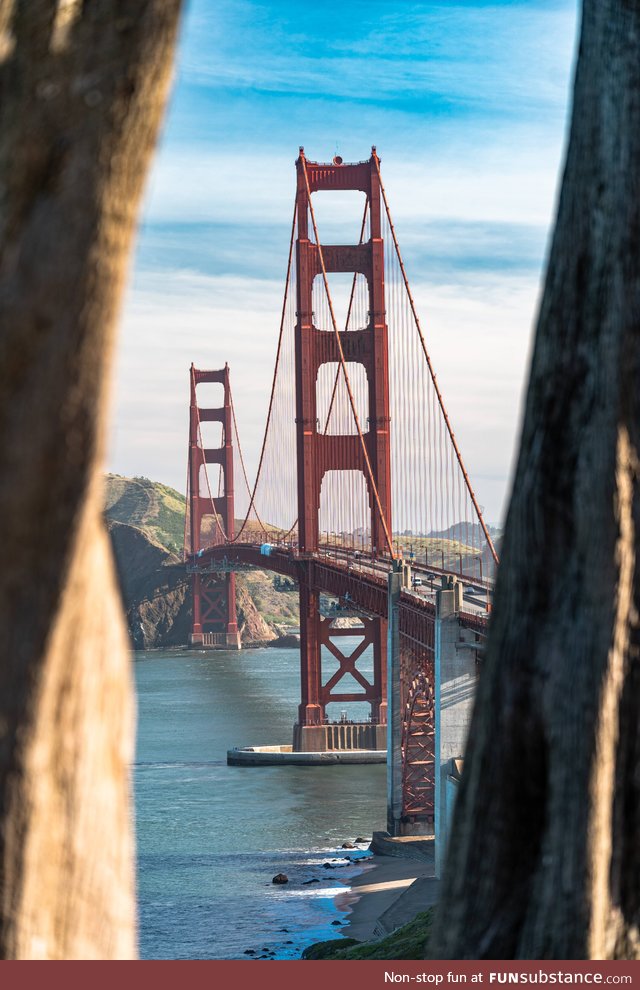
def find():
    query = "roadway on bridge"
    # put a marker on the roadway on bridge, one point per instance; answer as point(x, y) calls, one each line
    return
point(476, 594)
point(355, 578)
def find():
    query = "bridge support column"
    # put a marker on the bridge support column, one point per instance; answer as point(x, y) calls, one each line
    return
point(215, 623)
point(195, 637)
point(232, 633)
point(394, 708)
point(379, 709)
point(313, 732)
point(455, 682)
point(308, 733)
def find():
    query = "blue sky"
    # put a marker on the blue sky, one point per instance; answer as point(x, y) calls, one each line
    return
point(467, 104)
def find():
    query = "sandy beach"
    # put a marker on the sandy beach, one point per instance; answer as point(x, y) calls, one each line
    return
point(372, 892)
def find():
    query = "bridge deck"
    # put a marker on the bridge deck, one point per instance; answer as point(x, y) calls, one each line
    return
point(362, 582)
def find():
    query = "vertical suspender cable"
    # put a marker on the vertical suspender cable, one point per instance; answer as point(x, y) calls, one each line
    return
point(431, 372)
point(273, 385)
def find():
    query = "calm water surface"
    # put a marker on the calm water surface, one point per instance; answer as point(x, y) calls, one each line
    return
point(211, 837)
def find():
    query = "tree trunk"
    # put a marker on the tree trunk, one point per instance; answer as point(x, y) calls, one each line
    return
point(83, 85)
point(544, 859)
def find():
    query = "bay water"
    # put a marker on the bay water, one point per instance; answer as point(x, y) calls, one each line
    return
point(211, 837)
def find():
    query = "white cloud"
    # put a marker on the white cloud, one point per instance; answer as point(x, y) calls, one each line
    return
point(512, 179)
point(477, 333)
point(478, 322)
point(467, 109)
point(173, 319)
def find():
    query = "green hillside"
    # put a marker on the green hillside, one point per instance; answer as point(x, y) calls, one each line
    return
point(154, 508)
point(407, 942)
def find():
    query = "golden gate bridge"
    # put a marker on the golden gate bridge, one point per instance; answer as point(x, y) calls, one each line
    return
point(360, 494)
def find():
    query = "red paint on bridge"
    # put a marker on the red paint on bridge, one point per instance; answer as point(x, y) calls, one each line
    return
point(431, 489)
point(319, 452)
point(214, 598)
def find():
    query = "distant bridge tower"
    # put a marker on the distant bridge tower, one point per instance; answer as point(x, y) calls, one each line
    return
point(215, 623)
point(319, 452)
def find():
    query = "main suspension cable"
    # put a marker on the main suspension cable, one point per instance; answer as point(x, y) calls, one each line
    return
point(273, 384)
point(374, 487)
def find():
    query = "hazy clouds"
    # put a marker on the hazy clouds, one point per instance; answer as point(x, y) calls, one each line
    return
point(466, 103)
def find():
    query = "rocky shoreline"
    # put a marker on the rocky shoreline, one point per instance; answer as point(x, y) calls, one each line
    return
point(344, 864)
point(377, 885)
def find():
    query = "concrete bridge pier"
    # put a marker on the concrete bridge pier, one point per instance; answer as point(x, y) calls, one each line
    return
point(450, 686)
point(456, 672)
point(394, 706)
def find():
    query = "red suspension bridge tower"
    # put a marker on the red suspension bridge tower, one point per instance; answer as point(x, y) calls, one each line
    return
point(351, 419)
point(367, 452)
point(214, 593)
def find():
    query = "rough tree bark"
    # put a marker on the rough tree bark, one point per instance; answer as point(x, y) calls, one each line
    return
point(83, 85)
point(545, 850)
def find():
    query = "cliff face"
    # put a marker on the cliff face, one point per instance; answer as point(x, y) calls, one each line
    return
point(253, 628)
point(145, 522)
point(154, 588)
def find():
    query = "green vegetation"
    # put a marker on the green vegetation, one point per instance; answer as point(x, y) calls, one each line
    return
point(276, 601)
point(147, 505)
point(407, 942)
